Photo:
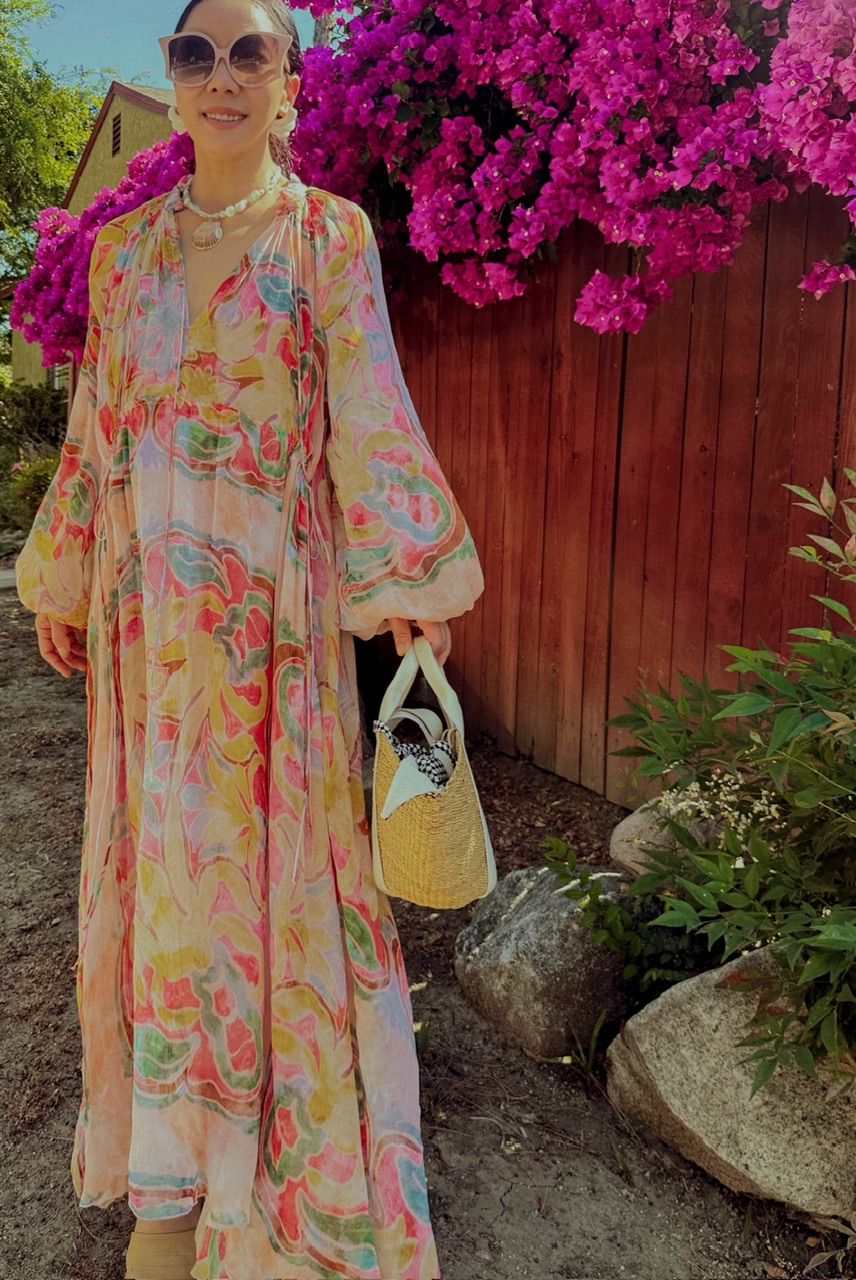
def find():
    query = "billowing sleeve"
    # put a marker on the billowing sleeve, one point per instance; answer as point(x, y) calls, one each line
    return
point(54, 569)
point(403, 548)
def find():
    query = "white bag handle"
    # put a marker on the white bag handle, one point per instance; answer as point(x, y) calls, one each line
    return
point(420, 654)
point(429, 722)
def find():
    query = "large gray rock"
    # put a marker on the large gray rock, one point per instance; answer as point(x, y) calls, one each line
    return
point(526, 965)
point(641, 829)
point(676, 1066)
point(632, 834)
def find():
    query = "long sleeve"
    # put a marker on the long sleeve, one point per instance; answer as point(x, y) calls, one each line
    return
point(54, 569)
point(403, 548)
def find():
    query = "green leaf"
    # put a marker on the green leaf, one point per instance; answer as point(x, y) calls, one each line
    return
point(702, 895)
point(816, 967)
point(828, 499)
point(812, 633)
point(809, 497)
point(804, 1060)
point(804, 553)
point(817, 720)
point(752, 880)
point(648, 882)
point(745, 704)
point(808, 798)
point(678, 915)
point(826, 544)
point(850, 517)
point(829, 1033)
point(836, 606)
point(762, 1075)
point(817, 1012)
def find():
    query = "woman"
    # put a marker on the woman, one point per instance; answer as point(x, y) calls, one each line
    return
point(244, 486)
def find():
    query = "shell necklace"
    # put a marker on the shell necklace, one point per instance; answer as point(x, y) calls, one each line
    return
point(210, 232)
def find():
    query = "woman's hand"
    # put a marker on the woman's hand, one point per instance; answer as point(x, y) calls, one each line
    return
point(437, 634)
point(60, 645)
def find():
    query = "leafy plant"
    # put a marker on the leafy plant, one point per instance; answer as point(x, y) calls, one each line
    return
point(31, 416)
point(655, 958)
point(759, 804)
point(32, 428)
point(25, 488)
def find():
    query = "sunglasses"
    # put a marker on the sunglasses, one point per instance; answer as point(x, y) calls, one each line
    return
point(254, 58)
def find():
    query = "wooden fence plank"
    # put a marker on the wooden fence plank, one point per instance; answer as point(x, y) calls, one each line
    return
point(657, 495)
point(511, 364)
point(664, 489)
point(845, 445)
point(454, 392)
point(527, 488)
point(816, 412)
point(741, 347)
point(559, 502)
point(696, 489)
point(568, 511)
point(600, 589)
point(494, 461)
point(482, 489)
point(631, 520)
point(774, 431)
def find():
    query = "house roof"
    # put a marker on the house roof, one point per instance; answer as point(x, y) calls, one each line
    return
point(150, 98)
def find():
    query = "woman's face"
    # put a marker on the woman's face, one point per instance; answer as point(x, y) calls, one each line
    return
point(254, 107)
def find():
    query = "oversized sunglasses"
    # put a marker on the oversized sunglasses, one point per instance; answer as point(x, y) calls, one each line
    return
point(253, 58)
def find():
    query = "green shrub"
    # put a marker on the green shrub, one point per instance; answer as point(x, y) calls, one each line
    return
point(33, 421)
point(31, 418)
point(773, 768)
point(23, 490)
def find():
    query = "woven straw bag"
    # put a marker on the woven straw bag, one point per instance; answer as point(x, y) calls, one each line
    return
point(434, 849)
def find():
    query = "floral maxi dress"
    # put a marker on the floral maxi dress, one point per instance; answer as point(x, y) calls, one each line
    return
point(237, 496)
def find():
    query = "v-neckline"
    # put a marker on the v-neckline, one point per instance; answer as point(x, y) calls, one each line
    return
point(173, 206)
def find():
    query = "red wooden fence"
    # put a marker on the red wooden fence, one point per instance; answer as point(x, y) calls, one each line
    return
point(626, 494)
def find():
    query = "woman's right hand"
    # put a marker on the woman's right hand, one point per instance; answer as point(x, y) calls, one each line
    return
point(62, 646)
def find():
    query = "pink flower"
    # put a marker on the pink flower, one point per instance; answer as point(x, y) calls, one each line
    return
point(477, 131)
point(825, 276)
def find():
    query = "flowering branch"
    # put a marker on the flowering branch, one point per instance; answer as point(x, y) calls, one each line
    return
point(476, 131)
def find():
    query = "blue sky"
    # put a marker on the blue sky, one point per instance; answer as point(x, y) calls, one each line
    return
point(120, 34)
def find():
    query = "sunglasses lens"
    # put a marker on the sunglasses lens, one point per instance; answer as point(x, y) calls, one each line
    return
point(254, 58)
point(191, 59)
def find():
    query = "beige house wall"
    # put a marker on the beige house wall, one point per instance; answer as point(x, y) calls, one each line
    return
point(141, 127)
point(27, 360)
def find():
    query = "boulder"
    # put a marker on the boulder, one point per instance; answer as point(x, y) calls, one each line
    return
point(528, 967)
point(641, 830)
point(638, 830)
point(676, 1066)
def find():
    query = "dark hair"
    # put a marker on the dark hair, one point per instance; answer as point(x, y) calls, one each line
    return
point(282, 20)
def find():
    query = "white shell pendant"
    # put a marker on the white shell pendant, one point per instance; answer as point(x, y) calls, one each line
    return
point(206, 235)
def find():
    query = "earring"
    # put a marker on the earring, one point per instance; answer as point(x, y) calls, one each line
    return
point(284, 124)
point(176, 121)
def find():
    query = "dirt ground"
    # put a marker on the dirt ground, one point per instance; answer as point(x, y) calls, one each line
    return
point(531, 1173)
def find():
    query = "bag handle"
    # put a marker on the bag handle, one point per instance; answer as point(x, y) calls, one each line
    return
point(429, 722)
point(420, 654)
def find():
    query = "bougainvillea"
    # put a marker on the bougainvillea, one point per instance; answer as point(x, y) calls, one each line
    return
point(56, 292)
point(505, 121)
point(809, 106)
point(478, 130)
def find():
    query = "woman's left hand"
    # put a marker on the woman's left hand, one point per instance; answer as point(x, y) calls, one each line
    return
point(437, 634)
